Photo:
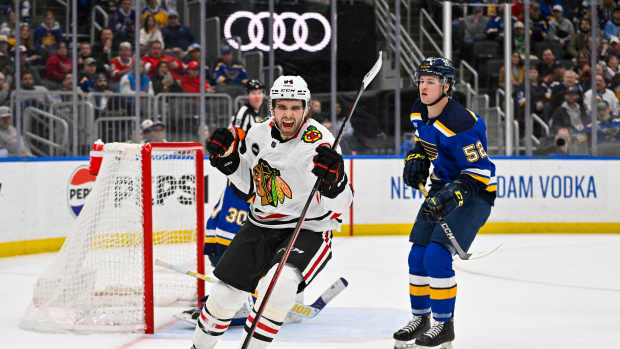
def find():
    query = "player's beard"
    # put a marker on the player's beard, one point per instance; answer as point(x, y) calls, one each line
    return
point(286, 130)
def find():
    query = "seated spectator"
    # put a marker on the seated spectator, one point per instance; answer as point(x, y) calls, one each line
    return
point(158, 12)
point(475, 30)
point(547, 64)
point(27, 40)
point(608, 127)
point(579, 41)
point(58, 65)
point(190, 82)
point(612, 27)
point(570, 114)
point(569, 79)
point(127, 83)
point(518, 38)
point(86, 82)
point(4, 91)
point(539, 97)
point(560, 28)
point(123, 22)
point(153, 131)
point(494, 24)
point(6, 59)
point(230, 76)
point(163, 82)
point(517, 73)
point(150, 31)
point(539, 25)
point(8, 28)
point(546, 7)
point(155, 55)
point(602, 93)
point(193, 53)
point(8, 137)
point(614, 46)
point(177, 37)
point(35, 95)
point(84, 51)
point(101, 99)
point(48, 35)
point(611, 69)
point(123, 63)
point(104, 49)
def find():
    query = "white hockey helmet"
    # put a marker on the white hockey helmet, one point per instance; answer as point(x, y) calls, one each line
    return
point(290, 87)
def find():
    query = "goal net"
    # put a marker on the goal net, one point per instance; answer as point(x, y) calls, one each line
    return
point(147, 203)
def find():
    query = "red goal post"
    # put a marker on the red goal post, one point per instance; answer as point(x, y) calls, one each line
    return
point(147, 176)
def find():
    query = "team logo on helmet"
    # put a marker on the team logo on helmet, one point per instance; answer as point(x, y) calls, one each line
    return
point(271, 188)
point(311, 135)
point(80, 185)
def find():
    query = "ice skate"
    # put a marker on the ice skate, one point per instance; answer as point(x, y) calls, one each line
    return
point(440, 335)
point(189, 316)
point(405, 337)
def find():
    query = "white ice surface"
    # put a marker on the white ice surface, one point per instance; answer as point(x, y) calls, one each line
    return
point(537, 291)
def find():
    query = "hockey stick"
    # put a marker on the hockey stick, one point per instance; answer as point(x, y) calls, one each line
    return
point(302, 311)
point(368, 78)
point(446, 229)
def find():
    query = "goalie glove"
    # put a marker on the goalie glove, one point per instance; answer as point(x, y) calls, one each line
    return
point(451, 196)
point(222, 148)
point(417, 167)
point(329, 167)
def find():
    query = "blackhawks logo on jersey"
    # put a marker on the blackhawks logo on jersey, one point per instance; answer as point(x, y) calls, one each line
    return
point(311, 135)
point(271, 188)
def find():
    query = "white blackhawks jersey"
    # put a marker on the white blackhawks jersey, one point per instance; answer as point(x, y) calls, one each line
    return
point(279, 173)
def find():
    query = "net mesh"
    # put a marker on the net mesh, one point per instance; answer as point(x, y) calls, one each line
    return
point(96, 282)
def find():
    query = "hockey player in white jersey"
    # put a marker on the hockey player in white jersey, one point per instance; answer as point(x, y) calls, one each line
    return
point(281, 162)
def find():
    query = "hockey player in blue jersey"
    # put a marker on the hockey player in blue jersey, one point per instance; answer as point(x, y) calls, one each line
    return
point(453, 139)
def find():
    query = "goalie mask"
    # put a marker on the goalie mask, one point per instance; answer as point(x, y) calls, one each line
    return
point(439, 67)
point(290, 87)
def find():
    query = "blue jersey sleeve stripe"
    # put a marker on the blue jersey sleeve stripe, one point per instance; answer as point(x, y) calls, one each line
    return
point(478, 178)
point(478, 172)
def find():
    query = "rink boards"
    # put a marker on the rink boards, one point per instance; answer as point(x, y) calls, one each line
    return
point(39, 199)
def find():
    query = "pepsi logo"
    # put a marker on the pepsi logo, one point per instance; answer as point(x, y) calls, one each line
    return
point(80, 185)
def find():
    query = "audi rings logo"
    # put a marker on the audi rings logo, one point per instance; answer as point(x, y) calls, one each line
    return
point(281, 40)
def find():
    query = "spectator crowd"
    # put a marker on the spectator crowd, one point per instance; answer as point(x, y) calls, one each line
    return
point(560, 73)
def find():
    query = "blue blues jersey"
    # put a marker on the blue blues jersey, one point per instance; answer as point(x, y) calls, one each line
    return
point(229, 215)
point(456, 144)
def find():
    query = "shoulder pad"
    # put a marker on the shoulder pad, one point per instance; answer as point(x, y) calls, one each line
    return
point(455, 119)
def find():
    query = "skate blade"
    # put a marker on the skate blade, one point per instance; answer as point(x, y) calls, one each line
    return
point(446, 345)
point(185, 320)
point(404, 344)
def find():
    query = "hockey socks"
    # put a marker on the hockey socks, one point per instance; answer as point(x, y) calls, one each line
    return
point(265, 332)
point(208, 329)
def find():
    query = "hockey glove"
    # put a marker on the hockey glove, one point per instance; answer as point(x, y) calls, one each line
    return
point(329, 167)
point(416, 167)
point(222, 148)
point(451, 196)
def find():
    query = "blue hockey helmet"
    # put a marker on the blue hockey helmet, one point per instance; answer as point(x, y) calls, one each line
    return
point(437, 66)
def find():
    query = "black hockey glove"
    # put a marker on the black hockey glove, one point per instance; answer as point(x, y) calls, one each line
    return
point(451, 196)
point(222, 148)
point(416, 167)
point(329, 166)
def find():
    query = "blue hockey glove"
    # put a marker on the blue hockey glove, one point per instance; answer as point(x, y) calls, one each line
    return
point(416, 168)
point(451, 196)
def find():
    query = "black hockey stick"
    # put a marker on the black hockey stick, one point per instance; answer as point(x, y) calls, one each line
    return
point(368, 78)
point(446, 229)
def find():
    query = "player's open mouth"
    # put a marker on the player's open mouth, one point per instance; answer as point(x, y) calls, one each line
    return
point(288, 124)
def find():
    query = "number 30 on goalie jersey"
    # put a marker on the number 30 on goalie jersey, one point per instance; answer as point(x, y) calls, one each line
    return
point(456, 143)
